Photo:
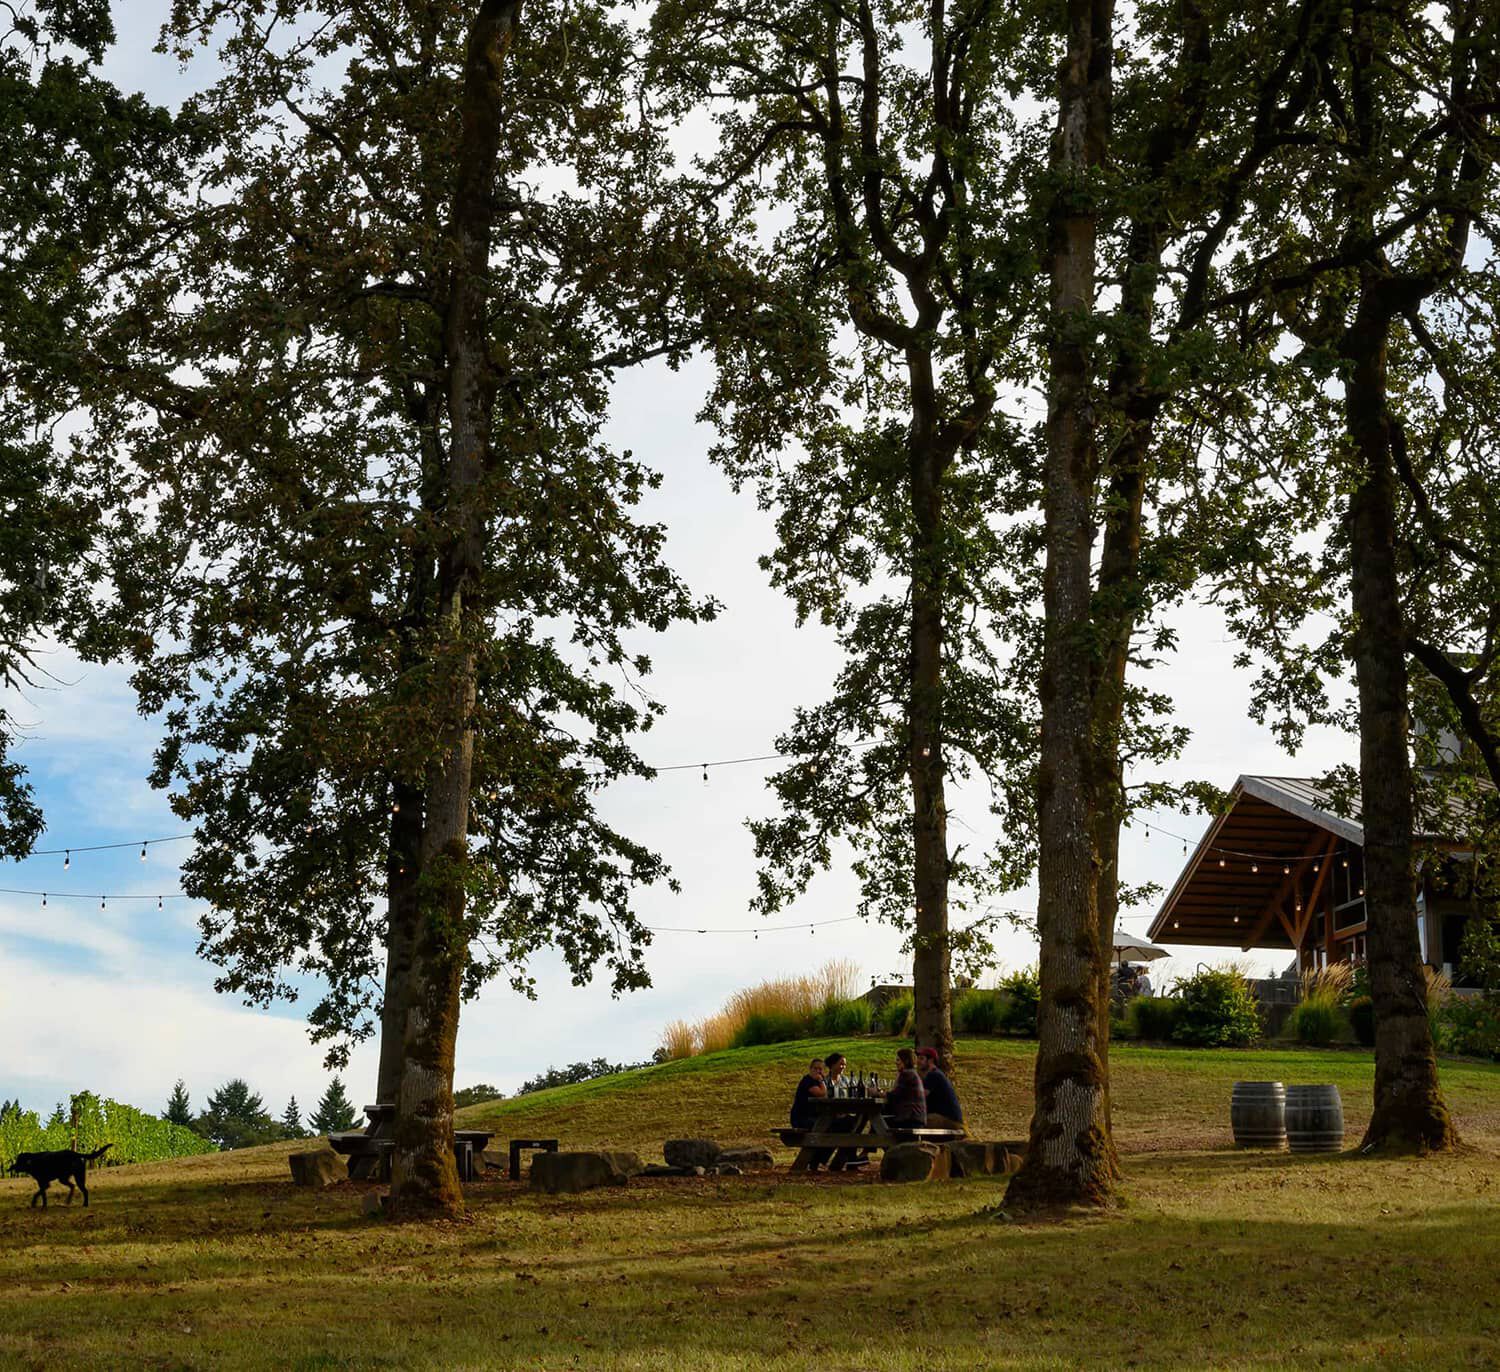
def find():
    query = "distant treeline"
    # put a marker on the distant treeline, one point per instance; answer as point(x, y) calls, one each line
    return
point(88, 1123)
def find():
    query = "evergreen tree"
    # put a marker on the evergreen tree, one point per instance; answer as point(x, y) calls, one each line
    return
point(236, 1117)
point(179, 1110)
point(291, 1120)
point(334, 1111)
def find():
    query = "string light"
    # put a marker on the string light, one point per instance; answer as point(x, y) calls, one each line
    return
point(101, 902)
point(44, 900)
point(67, 858)
point(158, 903)
point(143, 852)
point(705, 774)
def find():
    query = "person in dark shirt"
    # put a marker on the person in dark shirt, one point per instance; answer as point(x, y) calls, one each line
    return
point(810, 1088)
point(943, 1109)
point(906, 1101)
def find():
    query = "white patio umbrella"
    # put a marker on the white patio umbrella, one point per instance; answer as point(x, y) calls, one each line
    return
point(1129, 948)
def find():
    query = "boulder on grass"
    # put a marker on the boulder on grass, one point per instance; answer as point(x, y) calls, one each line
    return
point(747, 1159)
point(317, 1167)
point(628, 1163)
point(582, 1171)
point(915, 1162)
point(971, 1158)
point(691, 1152)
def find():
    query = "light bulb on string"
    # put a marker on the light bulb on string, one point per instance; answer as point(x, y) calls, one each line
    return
point(1286, 869)
point(101, 902)
point(1236, 920)
point(44, 900)
point(1221, 862)
point(67, 858)
point(705, 774)
point(143, 852)
point(158, 903)
point(1255, 866)
point(395, 807)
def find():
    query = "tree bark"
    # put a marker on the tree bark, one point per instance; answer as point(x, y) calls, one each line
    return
point(1409, 1111)
point(403, 864)
point(931, 952)
point(424, 1174)
point(1070, 1157)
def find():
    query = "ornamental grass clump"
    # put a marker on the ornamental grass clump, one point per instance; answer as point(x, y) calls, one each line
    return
point(1319, 1017)
point(1216, 1009)
point(897, 1013)
point(841, 1017)
point(829, 996)
point(1152, 1017)
point(977, 1012)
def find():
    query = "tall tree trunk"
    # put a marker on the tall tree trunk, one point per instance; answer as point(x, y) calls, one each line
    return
point(403, 864)
point(424, 1173)
point(1070, 1158)
point(1409, 1110)
point(931, 952)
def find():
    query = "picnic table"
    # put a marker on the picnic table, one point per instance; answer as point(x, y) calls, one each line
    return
point(369, 1150)
point(864, 1129)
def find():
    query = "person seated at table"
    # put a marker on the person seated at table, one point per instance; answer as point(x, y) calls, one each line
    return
point(834, 1081)
point(809, 1089)
point(906, 1101)
point(943, 1109)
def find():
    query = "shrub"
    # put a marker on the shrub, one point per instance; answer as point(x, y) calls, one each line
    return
point(1152, 1017)
point(1020, 994)
point(1362, 1020)
point(840, 1017)
point(896, 1014)
point(1216, 1010)
point(977, 1012)
point(1315, 1022)
point(1469, 1024)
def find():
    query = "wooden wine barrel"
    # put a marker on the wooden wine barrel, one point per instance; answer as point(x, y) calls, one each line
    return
point(1314, 1119)
point(1257, 1112)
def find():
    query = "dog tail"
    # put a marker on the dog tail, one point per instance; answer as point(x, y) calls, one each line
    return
point(98, 1152)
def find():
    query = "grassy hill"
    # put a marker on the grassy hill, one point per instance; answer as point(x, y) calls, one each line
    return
point(1162, 1097)
point(1214, 1258)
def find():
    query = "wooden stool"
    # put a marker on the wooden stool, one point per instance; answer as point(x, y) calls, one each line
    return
point(516, 1145)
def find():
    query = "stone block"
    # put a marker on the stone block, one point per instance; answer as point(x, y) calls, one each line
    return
point(747, 1159)
point(317, 1167)
point(570, 1172)
point(691, 1152)
point(628, 1163)
point(915, 1162)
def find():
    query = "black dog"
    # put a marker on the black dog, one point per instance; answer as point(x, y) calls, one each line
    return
point(64, 1166)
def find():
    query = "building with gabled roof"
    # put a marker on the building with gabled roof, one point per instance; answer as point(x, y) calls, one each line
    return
point(1283, 868)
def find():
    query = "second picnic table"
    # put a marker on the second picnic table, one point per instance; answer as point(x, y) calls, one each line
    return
point(866, 1129)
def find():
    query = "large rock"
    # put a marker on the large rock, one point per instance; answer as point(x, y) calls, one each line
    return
point(691, 1152)
point(972, 1158)
point(915, 1162)
point(628, 1163)
point(747, 1159)
point(555, 1172)
point(317, 1167)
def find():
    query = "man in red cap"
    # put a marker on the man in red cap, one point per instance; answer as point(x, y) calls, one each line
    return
point(943, 1109)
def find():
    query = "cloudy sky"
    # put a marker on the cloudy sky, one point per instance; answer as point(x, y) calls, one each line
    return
point(116, 1001)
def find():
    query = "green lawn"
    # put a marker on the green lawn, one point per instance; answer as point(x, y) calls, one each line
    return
point(1215, 1258)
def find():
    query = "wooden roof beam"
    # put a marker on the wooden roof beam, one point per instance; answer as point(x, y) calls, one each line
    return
point(1320, 845)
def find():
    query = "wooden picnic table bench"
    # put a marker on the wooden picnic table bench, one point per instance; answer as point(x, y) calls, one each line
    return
point(867, 1131)
point(357, 1145)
